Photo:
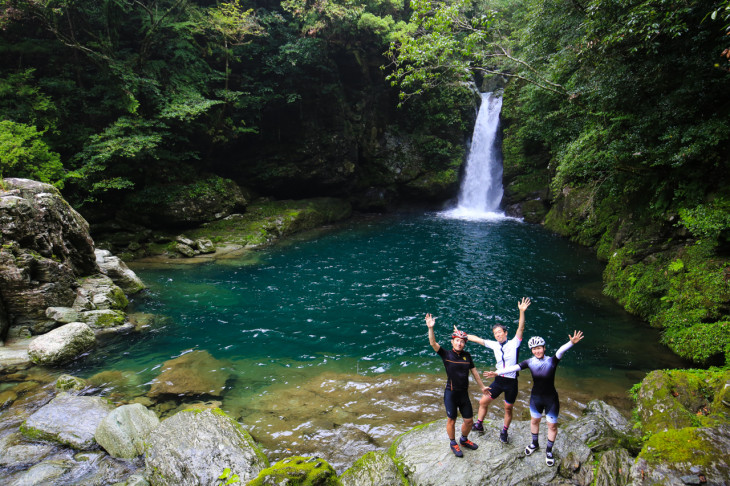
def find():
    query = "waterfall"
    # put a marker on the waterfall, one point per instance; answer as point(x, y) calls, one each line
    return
point(481, 189)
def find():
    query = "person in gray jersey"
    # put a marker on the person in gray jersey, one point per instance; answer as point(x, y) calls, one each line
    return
point(544, 396)
point(505, 354)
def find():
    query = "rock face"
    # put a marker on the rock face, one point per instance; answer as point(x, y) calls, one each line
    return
point(194, 373)
point(122, 433)
point(426, 458)
point(195, 447)
point(375, 467)
point(298, 470)
point(68, 420)
point(62, 344)
point(45, 247)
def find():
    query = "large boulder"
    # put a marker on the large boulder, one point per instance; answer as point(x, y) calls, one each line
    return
point(182, 205)
point(603, 427)
point(195, 447)
point(62, 344)
point(194, 373)
point(122, 433)
point(45, 247)
point(119, 272)
point(69, 420)
point(426, 459)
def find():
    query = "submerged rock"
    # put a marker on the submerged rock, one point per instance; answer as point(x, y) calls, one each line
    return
point(62, 344)
point(68, 382)
point(194, 373)
point(122, 433)
point(68, 420)
point(195, 447)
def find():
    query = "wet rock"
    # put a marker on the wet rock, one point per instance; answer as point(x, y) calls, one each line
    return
point(46, 472)
point(195, 447)
point(69, 420)
point(426, 458)
point(376, 468)
point(68, 382)
point(122, 433)
point(668, 401)
point(7, 397)
point(134, 480)
point(14, 355)
point(297, 470)
point(16, 451)
point(185, 250)
point(194, 373)
point(62, 344)
point(119, 272)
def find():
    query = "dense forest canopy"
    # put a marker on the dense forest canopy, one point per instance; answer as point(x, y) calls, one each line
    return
point(620, 107)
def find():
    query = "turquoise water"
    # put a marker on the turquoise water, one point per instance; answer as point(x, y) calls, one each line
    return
point(360, 293)
point(334, 326)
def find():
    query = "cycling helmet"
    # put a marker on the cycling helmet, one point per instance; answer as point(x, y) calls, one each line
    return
point(535, 341)
point(460, 335)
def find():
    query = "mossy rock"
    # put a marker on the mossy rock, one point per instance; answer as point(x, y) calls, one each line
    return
point(374, 468)
point(298, 471)
point(675, 399)
point(68, 382)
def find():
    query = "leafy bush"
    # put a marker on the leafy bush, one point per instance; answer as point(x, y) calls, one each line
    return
point(23, 153)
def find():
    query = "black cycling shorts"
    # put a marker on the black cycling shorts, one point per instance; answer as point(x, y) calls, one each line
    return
point(458, 399)
point(506, 385)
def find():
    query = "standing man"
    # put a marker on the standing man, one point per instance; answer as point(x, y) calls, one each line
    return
point(544, 396)
point(458, 365)
point(505, 354)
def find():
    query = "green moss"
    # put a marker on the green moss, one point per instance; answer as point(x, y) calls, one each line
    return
point(298, 471)
point(681, 447)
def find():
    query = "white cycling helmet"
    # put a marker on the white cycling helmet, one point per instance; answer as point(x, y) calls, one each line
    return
point(535, 341)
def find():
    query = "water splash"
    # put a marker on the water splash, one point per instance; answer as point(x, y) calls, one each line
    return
point(481, 190)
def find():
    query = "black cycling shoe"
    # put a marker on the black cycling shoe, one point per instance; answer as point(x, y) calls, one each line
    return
point(456, 450)
point(468, 444)
point(478, 427)
point(503, 436)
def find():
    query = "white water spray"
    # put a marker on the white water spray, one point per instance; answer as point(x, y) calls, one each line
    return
point(481, 190)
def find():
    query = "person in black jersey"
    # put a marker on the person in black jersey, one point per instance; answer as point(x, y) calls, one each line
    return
point(544, 396)
point(458, 364)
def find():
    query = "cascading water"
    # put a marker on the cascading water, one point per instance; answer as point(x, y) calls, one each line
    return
point(481, 190)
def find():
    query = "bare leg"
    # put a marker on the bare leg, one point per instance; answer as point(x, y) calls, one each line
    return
point(466, 426)
point(552, 431)
point(507, 414)
point(535, 426)
point(484, 405)
point(451, 428)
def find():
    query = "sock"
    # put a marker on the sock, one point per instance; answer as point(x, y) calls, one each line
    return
point(549, 445)
point(453, 442)
point(535, 440)
point(479, 422)
point(463, 438)
point(505, 428)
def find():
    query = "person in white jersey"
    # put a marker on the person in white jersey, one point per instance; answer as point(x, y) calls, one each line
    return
point(544, 396)
point(505, 354)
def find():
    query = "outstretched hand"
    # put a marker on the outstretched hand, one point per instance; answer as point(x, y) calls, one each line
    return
point(524, 304)
point(430, 321)
point(577, 336)
point(489, 374)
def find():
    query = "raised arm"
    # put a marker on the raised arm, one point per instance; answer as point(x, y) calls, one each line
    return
point(574, 339)
point(430, 322)
point(522, 306)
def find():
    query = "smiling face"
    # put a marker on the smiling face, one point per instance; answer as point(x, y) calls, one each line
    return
point(538, 351)
point(458, 344)
point(500, 334)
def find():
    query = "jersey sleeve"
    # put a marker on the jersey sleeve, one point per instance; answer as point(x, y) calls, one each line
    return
point(562, 350)
point(441, 352)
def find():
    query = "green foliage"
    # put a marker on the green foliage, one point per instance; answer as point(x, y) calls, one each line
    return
point(707, 220)
point(23, 153)
point(227, 478)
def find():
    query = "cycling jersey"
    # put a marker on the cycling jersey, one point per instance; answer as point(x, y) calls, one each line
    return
point(505, 354)
point(458, 367)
